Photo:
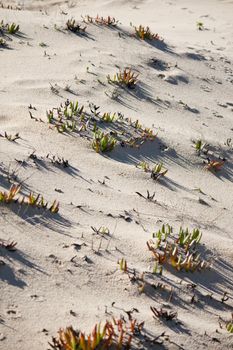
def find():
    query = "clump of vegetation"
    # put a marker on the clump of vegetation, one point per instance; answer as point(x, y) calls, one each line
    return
point(115, 334)
point(67, 117)
point(107, 21)
point(12, 28)
point(104, 130)
point(74, 27)
point(126, 78)
point(145, 33)
point(9, 28)
point(156, 172)
point(180, 251)
point(103, 142)
point(32, 200)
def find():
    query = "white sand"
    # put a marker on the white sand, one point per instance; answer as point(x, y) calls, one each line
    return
point(39, 282)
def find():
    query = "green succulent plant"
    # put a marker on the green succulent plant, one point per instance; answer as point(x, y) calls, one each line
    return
point(103, 142)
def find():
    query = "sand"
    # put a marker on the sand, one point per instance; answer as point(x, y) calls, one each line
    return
point(62, 272)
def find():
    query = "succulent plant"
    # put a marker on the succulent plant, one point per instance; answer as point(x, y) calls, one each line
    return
point(103, 142)
point(108, 21)
point(74, 27)
point(116, 334)
point(12, 196)
point(179, 251)
point(145, 33)
point(126, 78)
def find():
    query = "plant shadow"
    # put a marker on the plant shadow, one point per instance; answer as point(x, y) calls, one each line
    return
point(38, 217)
point(7, 272)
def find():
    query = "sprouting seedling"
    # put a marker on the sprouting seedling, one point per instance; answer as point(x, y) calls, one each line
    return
point(188, 239)
point(145, 33)
point(157, 268)
point(10, 137)
point(126, 78)
point(74, 27)
point(54, 89)
point(58, 161)
point(229, 325)
point(8, 245)
point(101, 230)
point(163, 233)
point(9, 28)
point(3, 42)
point(103, 142)
point(108, 117)
point(157, 171)
point(8, 197)
point(200, 25)
point(199, 146)
point(42, 44)
point(54, 207)
point(94, 109)
point(163, 314)
point(123, 265)
point(149, 197)
point(12, 28)
point(144, 166)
